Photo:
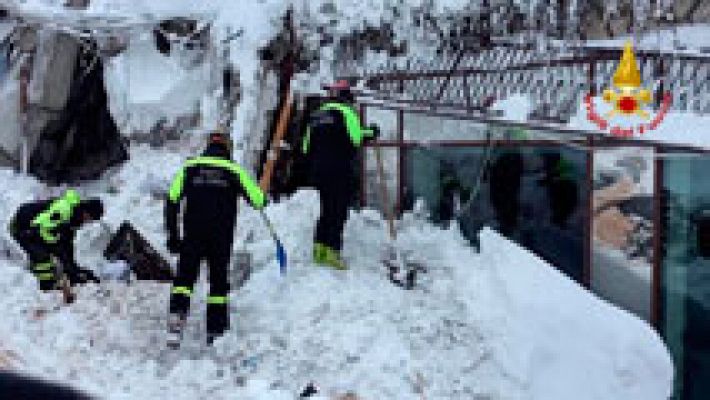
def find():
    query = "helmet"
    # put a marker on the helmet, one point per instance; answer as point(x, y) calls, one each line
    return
point(340, 90)
point(341, 84)
point(221, 138)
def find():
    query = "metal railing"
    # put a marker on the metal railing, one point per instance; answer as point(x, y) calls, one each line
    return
point(556, 79)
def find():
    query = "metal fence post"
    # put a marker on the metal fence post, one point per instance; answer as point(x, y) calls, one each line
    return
point(363, 159)
point(658, 234)
point(24, 118)
point(589, 239)
point(400, 160)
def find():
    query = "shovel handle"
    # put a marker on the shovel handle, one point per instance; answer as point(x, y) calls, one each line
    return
point(383, 191)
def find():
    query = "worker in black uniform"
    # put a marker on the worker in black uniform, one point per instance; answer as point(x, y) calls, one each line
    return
point(210, 185)
point(562, 188)
point(46, 231)
point(333, 137)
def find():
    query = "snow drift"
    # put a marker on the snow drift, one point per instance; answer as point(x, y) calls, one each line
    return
point(500, 324)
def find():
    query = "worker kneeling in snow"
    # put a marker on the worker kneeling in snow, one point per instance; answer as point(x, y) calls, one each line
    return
point(334, 135)
point(46, 230)
point(210, 185)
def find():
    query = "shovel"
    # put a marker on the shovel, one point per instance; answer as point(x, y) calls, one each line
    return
point(394, 259)
point(280, 251)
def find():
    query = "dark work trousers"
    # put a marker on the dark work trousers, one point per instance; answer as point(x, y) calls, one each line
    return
point(564, 197)
point(39, 253)
point(505, 176)
point(217, 254)
point(335, 198)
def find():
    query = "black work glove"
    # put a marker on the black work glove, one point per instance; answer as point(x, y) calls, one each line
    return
point(375, 129)
point(174, 244)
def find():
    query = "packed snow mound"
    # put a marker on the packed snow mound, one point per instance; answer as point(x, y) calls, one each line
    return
point(498, 324)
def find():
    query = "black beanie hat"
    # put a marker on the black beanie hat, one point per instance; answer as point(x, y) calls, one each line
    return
point(93, 207)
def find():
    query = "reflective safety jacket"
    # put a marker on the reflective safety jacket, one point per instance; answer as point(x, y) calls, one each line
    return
point(55, 216)
point(210, 186)
point(53, 222)
point(334, 134)
point(338, 117)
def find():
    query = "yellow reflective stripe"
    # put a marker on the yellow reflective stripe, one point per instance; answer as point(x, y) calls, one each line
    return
point(184, 290)
point(367, 132)
point(72, 197)
point(45, 266)
point(352, 121)
point(217, 300)
point(306, 140)
point(48, 236)
point(59, 212)
point(45, 276)
point(255, 194)
point(176, 186)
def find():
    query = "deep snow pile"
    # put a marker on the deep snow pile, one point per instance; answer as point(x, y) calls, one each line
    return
point(500, 324)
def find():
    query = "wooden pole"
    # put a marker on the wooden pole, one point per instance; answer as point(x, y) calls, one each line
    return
point(24, 100)
point(273, 154)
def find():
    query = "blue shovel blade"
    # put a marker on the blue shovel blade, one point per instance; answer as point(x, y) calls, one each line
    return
point(281, 256)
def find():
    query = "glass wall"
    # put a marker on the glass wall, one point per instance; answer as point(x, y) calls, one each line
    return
point(685, 282)
point(535, 190)
point(622, 250)
point(535, 195)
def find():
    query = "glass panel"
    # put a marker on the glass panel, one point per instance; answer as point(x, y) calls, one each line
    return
point(623, 228)
point(685, 317)
point(422, 127)
point(425, 127)
point(385, 119)
point(374, 195)
point(534, 195)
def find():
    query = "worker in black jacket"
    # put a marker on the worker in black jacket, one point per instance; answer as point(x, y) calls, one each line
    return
point(331, 145)
point(210, 185)
point(46, 231)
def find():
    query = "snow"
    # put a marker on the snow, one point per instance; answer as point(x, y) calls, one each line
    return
point(499, 324)
point(683, 128)
point(144, 86)
point(692, 37)
point(516, 107)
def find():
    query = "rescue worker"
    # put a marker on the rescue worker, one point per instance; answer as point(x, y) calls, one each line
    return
point(210, 185)
point(505, 179)
point(46, 230)
point(562, 188)
point(333, 137)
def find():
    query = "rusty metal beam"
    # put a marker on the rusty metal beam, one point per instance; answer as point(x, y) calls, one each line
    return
point(601, 139)
point(589, 232)
point(658, 227)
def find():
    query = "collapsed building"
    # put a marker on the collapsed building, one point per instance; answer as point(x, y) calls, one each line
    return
point(74, 90)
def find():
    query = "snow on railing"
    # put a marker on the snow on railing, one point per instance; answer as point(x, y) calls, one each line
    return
point(556, 81)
